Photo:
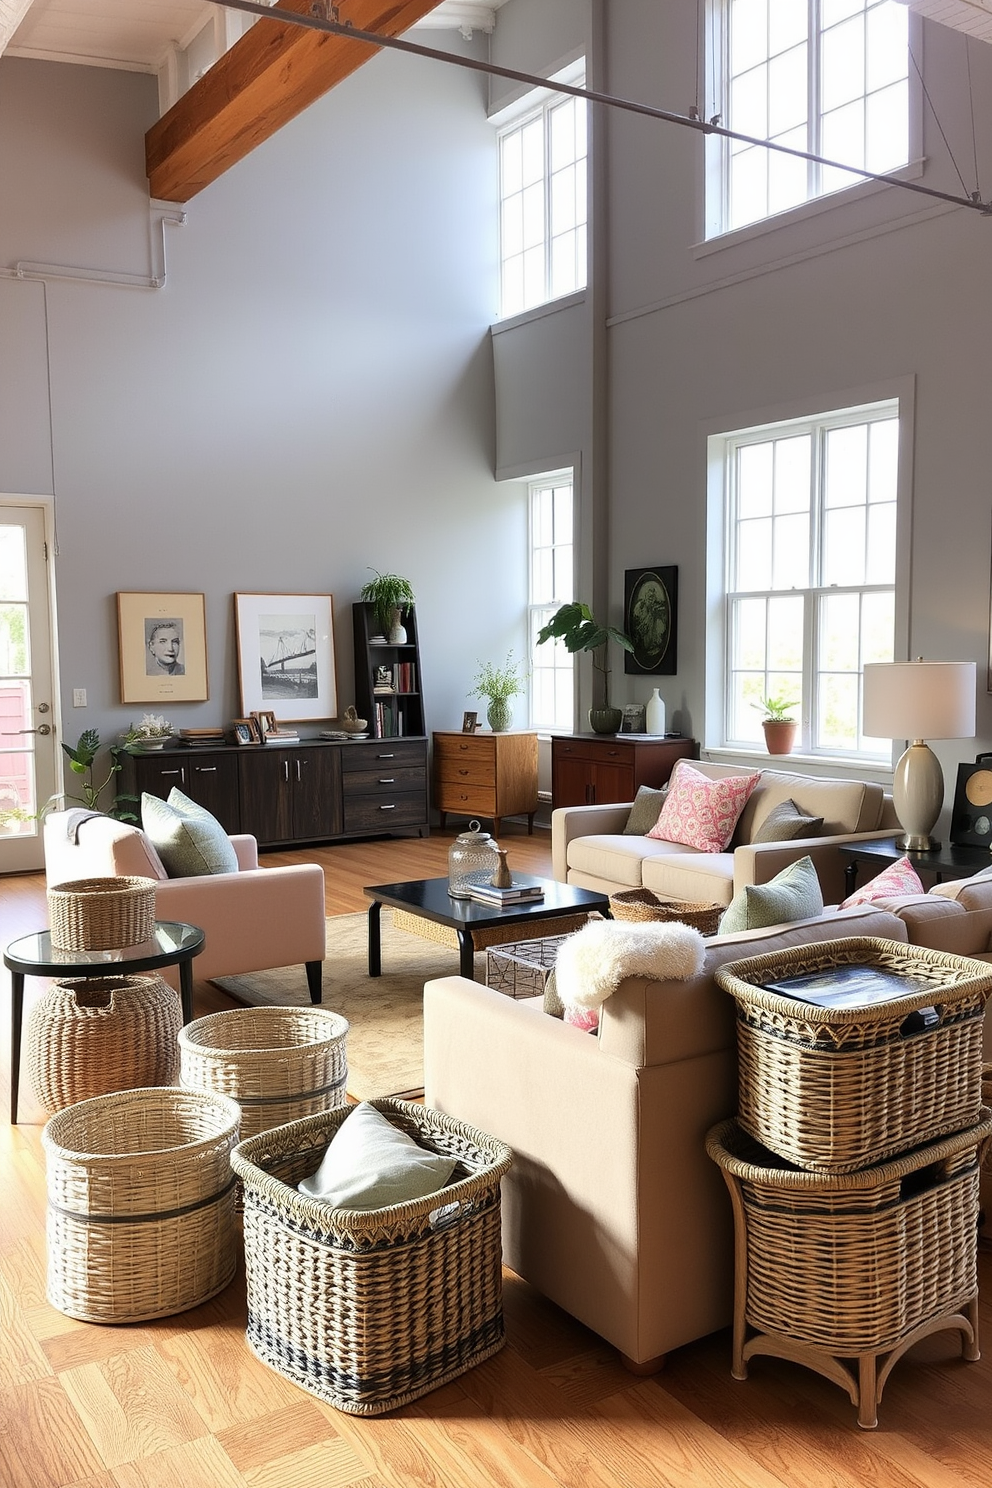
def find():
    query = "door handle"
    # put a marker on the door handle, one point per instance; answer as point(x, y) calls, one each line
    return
point(205, 769)
point(387, 808)
point(43, 728)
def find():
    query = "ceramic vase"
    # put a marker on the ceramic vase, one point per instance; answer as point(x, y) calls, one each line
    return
point(499, 714)
point(397, 630)
point(654, 714)
point(605, 720)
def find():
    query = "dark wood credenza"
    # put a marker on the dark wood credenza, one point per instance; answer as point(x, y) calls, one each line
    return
point(314, 791)
point(592, 769)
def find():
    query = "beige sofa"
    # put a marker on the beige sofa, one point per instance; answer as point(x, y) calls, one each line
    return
point(612, 1208)
point(589, 848)
point(254, 919)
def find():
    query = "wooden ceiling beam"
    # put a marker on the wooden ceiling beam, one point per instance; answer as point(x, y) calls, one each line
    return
point(269, 76)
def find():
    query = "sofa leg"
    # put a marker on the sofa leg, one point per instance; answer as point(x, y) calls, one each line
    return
point(646, 1366)
point(314, 970)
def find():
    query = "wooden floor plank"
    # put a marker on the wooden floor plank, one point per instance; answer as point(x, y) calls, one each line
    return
point(132, 1406)
point(43, 1442)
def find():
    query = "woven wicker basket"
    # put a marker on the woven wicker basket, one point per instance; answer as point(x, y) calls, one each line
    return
point(369, 1309)
point(642, 905)
point(985, 1180)
point(141, 1216)
point(278, 1063)
point(89, 1037)
point(838, 1267)
point(833, 1089)
point(486, 935)
point(101, 914)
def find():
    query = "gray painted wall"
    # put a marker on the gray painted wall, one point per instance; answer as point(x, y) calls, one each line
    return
point(310, 394)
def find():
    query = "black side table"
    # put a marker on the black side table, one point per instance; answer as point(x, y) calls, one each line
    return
point(173, 944)
point(949, 860)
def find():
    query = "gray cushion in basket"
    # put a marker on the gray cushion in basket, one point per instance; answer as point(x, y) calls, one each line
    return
point(370, 1164)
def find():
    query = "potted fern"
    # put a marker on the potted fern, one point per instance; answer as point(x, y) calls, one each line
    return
point(391, 597)
point(778, 725)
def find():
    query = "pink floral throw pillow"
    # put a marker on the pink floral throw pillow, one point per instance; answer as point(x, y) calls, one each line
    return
point(700, 812)
point(898, 878)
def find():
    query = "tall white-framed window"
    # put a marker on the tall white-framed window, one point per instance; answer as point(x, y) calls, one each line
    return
point(542, 199)
point(809, 516)
point(829, 77)
point(552, 584)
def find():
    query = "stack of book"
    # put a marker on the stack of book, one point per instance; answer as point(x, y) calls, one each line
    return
point(282, 735)
point(523, 890)
point(202, 737)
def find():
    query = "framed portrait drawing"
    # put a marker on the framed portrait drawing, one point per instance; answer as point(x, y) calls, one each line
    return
point(285, 646)
point(163, 648)
point(650, 618)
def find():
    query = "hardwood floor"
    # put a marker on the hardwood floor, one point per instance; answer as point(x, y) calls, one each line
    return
point(182, 1403)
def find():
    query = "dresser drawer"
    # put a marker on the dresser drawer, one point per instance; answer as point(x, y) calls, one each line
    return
point(383, 813)
point(465, 771)
point(383, 755)
point(477, 750)
point(478, 799)
point(387, 780)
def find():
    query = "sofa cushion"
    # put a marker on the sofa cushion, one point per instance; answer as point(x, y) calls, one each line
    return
point(680, 873)
point(793, 894)
point(898, 878)
point(190, 842)
point(845, 805)
point(616, 859)
point(970, 893)
point(701, 812)
point(785, 822)
point(645, 811)
point(370, 1163)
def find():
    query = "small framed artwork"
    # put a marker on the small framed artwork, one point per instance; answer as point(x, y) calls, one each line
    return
point(971, 818)
point(650, 610)
point(245, 731)
point(633, 719)
point(470, 722)
point(285, 646)
point(162, 642)
point(265, 722)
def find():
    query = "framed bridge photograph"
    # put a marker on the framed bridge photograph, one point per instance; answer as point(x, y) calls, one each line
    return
point(285, 648)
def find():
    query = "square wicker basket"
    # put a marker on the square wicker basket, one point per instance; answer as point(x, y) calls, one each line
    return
point(834, 1089)
point(369, 1309)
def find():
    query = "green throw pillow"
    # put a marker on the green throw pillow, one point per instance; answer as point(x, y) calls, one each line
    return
point(645, 811)
point(190, 842)
point(793, 894)
point(370, 1164)
point(785, 822)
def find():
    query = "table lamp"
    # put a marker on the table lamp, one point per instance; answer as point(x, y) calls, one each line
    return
point(916, 700)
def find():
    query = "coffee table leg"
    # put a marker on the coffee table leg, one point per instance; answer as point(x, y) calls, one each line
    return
point(466, 954)
point(16, 1014)
point(186, 989)
point(375, 942)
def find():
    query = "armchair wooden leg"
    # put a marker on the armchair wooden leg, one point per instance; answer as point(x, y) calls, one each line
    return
point(314, 973)
point(646, 1366)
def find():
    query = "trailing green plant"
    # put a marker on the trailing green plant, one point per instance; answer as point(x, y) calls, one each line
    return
point(498, 684)
point(776, 710)
point(385, 593)
point(82, 762)
point(576, 625)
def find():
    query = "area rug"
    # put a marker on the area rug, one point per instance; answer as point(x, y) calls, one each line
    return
point(386, 1037)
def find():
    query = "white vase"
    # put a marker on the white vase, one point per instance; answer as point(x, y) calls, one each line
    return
point(397, 630)
point(654, 714)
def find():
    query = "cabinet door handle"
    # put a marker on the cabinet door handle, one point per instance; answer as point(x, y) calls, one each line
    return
point(205, 769)
point(387, 780)
point(385, 756)
point(285, 771)
point(178, 772)
point(391, 807)
point(299, 770)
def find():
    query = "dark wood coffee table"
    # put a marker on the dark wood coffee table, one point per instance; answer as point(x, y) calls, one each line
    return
point(428, 899)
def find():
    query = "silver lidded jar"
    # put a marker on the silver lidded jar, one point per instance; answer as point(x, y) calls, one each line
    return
point(472, 859)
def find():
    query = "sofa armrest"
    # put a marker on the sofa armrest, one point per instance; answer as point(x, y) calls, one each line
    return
point(246, 851)
point(757, 862)
point(568, 822)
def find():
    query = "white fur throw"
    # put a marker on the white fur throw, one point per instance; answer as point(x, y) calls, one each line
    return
point(593, 962)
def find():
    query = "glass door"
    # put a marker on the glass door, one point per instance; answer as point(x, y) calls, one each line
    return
point(28, 745)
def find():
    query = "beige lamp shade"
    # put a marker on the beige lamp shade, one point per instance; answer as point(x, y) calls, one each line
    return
point(919, 700)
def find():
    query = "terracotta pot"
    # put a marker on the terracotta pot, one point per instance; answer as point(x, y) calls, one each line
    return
point(780, 735)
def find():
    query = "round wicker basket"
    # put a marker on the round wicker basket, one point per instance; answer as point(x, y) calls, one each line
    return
point(641, 904)
point(101, 914)
point(89, 1037)
point(279, 1063)
point(141, 1204)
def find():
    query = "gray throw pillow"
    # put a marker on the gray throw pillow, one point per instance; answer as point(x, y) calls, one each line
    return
point(190, 842)
point(371, 1164)
point(785, 822)
point(553, 1004)
point(793, 894)
point(645, 811)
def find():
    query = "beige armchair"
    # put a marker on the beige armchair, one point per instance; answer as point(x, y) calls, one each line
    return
point(254, 919)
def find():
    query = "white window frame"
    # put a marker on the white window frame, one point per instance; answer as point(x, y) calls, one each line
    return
point(540, 103)
point(553, 656)
point(720, 438)
point(714, 49)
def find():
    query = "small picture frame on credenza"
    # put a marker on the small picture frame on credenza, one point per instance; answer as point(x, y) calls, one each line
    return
point(245, 731)
point(470, 722)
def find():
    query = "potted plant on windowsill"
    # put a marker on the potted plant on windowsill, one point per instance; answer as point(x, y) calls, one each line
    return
point(498, 685)
point(575, 625)
point(778, 724)
point(390, 596)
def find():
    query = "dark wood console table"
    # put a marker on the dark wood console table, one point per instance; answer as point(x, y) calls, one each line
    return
point(592, 769)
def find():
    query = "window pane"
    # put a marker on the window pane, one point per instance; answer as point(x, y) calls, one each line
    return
point(881, 547)
point(791, 563)
point(748, 186)
point(13, 563)
point(754, 554)
point(542, 576)
point(844, 138)
point(563, 513)
point(883, 459)
point(832, 11)
point(754, 479)
point(787, 91)
point(842, 67)
point(13, 640)
point(561, 120)
point(840, 642)
point(749, 103)
point(844, 546)
point(877, 627)
point(887, 129)
point(532, 148)
point(563, 274)
point(533, 215)
point(563, 575)
point(887, 45)
point(512, 226)
point(512, 287)
point(785, 644)
point(534, 280)
point(792, 457)
point(750, 634)
point(511, 167)
point(748, 33)
point(787, 25)
point(846, 466)
point(563, 200)
point(542, 518)
point(788, 175)
point(838, 718)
